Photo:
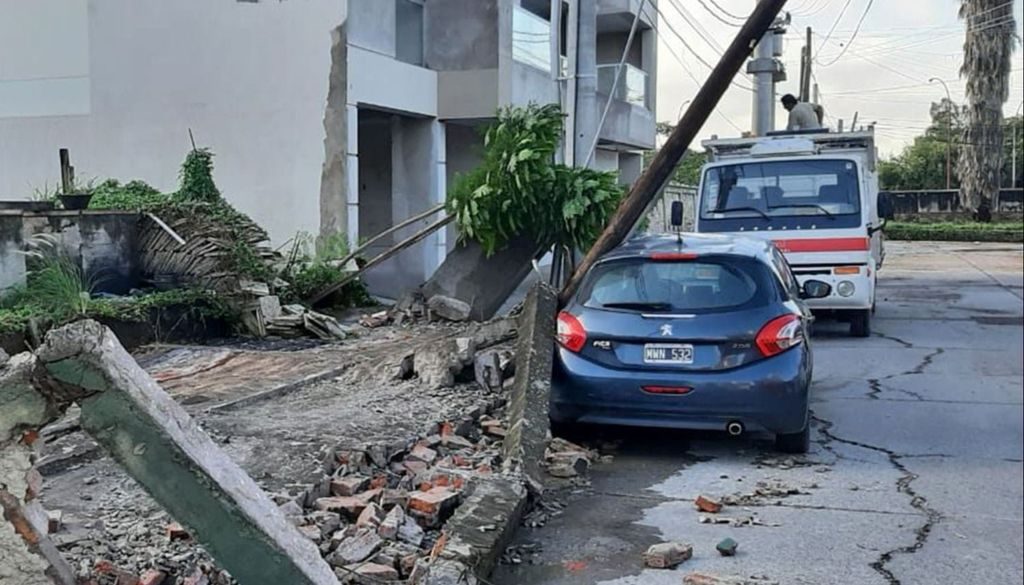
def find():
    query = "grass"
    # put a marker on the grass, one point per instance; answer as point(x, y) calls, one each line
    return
point(1012, 231)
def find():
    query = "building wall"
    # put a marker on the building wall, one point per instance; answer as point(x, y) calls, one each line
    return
point(154, 70)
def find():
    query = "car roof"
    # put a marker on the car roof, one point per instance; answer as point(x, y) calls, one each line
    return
point(691, 242)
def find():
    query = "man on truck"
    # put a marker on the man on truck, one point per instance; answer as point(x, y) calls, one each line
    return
point(802, 115)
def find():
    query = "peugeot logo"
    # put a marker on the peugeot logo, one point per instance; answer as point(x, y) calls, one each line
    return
point(666, 330)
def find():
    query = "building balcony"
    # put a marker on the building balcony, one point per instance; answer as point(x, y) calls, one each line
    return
point(630, 123)
point(617, 15)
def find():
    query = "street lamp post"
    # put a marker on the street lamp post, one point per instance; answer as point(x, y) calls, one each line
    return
point(949, 132)
point(1013, 161)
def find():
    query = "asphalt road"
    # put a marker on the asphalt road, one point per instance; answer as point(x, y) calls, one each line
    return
point(915, 473)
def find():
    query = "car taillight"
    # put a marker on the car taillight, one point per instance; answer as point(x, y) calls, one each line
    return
point(780, 334)
point(570, 333)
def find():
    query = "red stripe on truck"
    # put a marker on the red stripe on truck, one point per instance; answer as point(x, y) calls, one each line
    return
point(824, 245)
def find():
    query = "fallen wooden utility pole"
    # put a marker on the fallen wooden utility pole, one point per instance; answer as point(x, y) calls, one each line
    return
point(384, 256)
point(665, 161)
point(344, 261)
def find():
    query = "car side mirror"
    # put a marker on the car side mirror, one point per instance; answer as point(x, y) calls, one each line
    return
point(677, 214)
point(885, 210)
point(815, 289)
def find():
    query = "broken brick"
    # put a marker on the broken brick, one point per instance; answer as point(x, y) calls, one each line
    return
point(371, 516)
point(374, 572)
point(349, 485)
point(311, 532)
point(350, 506)
point(667, 555)
point(423, 454)
point(394, 497)
point(414, 467)
point(391, 523)
point(54, 521)
point(708, 504)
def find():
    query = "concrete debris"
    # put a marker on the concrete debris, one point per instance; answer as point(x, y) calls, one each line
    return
point(708, 504)
point(567, 460)
point(297, 321)
point(448, 308)
point(667, 555)
point(736, 521)
point(356, 548)
point(709, 579)
point(727, 547)
point(368, 574)
point(487, 370)
point(374, 320)
point(763, 489)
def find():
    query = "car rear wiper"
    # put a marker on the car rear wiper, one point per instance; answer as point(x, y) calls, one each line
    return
point(805, 205)
point(639, 306)
point(754, 209)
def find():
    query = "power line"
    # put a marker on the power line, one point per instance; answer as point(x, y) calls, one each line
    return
point(835, 23)
point(690, 73)
point(852, 37)
point(718, 16)
point(663, 18)
point(727, 13)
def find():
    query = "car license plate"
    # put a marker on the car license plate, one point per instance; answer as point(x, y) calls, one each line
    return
point(668, 353)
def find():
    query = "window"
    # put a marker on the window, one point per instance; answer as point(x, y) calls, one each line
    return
point(409, 31)
point(785, 274)
point(779, 189)
point(644, 285)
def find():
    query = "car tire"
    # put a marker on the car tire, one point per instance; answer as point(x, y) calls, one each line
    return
point(860, 323)
point(799, 442)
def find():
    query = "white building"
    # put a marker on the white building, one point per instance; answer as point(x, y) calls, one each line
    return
point(325, 115)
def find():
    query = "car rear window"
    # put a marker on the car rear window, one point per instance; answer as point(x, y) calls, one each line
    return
point(645, 285)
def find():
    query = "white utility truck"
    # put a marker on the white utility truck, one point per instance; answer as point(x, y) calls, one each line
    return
point(815, 194)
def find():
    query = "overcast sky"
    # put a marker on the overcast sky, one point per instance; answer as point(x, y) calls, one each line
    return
point(883, 74)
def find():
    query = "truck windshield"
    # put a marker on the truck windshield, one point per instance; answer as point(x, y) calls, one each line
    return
point(765, 190)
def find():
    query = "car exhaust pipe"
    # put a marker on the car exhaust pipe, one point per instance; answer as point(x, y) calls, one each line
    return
point(735, 428)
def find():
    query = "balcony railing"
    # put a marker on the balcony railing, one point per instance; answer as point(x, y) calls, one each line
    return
point(531, 39)
point(632, 86)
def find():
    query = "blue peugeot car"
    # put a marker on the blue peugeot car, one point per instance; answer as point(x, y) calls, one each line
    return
point(692, 332)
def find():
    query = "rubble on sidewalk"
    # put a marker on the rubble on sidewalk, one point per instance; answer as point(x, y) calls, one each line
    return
point(667, 555)
point(565, 459)
point(708, 504)
point(727, 547)
point(764, 490)
point(710, 579)
point(291, 321)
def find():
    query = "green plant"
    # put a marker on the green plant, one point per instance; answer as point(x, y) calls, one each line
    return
point(311, 268)
point(81, 186)
point(517, 189)
point(196, 177)
point(132, 196)
point(54, 280)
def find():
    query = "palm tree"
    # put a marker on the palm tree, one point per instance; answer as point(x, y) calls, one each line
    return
point(990, 41)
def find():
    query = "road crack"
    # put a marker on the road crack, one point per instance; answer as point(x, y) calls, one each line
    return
point(902, 342)
point(903, 486)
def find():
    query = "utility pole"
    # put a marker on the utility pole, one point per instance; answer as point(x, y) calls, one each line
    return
point(572, 47)
point(949, 133)
point(767, 70)
point(1013, 159)
point(653, 179)
point(807, 60)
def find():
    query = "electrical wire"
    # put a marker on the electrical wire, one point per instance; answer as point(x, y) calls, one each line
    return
point(835, 23)
point(672, 29)
point(718, 16)
point(726, 12)
point(852, 37)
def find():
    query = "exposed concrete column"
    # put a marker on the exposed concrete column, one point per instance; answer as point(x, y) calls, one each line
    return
point(437, 244)
point(352, 176)
point(334, 177)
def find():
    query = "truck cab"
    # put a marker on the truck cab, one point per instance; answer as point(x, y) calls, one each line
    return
point(815, 195)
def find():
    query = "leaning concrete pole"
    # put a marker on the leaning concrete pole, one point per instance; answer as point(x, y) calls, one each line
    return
point(654, 178)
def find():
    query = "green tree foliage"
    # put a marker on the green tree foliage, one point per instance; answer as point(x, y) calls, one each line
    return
point(517, 189)
point(196, 177)
point(922, 164)
point(688, 170)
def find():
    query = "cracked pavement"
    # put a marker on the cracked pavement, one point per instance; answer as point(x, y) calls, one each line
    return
point(914, 477)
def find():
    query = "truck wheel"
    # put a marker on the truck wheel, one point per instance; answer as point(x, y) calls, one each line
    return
point(860, 323)
point(799, 442)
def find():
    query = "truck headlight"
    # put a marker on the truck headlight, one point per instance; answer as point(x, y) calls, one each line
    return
point(845, 288)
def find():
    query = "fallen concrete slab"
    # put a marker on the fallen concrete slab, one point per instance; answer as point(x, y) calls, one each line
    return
point(528, 422)
point(160, 446)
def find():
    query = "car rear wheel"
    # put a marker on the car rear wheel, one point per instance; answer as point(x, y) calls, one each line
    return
point(798, 442)
point(860, 323)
